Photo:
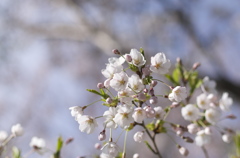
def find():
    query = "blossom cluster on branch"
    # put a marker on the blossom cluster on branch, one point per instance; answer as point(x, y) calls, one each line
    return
point(131, 77)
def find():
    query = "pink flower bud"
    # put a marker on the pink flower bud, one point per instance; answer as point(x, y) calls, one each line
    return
point(108, 100)
point(146, 71)
point(98, 146)
point(128, 58)
point(196, 65)
point(154, 83)
point(100, 85)
point(115, 51)
point(141, 96)
point(150, 112)
point(153, 100)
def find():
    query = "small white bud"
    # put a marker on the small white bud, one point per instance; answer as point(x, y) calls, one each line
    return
point(136, 155)
point(154, 83)
point(183, 151)
point(153, 100)
point(139, 136)
point(208, 130)
point(227, 138)
point(192, 128)
point(97, 146)
point(3, 135)
point(17, 130)
point(102, 136)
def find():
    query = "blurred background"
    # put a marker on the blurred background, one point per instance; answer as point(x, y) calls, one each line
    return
point(51, 51)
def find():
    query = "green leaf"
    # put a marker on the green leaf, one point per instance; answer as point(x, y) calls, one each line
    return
point(58, 148)
point(16, 152)
point(119, 155)
point(176, 75)
point(159, 128)
point(237, 144)
point(101, 93)
point(114, 103)
point(149, 146)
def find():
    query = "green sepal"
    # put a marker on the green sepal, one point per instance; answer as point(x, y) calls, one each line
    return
point(159, 128)
point(114, 103)
point(133, 67)
point(147, 80)
point(150, 126)
point(194, 81)
point(142, 51)
point(130, 127)
point(16, 153)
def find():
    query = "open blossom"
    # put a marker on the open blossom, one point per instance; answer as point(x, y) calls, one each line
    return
point(109, 115)
point(137, 58)
point(17, 130)
point(135, 83)
point(116, 61)
point(190, 112)
point(139, 136)
point(3, 135)
point(212, 115)
point(160, 64)
point(87, 124)
point(225, 102)
point(37, 143)
point(178, 94)
point(159, 112)
point(76, 111)
point(202, 101)
point(124, 116)
point(109, 150)
point(208, 85)
point(202, 138)
point(125, 96)
point(119, 81)
point(139, 115)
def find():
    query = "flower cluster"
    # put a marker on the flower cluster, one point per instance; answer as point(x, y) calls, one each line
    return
point(137, 104)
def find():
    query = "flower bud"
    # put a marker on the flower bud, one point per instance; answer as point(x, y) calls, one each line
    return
point(231, 117)
point(108, 100)
point(146, 70)
point(97, 146)
point(102, 136)
point(196, 65)
point(141, 96)
point(154, 83)
point(115, 51)
point(17, 130)
point(179, 61)
point(179, 131)
point(153, 100)
point(100, 85)
point(174, 105)
point(150, 112)
point(128, 58)
point(183, 151)
point(136, 155)
point(145, 90)
point(227, 137)
point(187, 139)
point(192, 128)
point(139, 136)
point(151, 92)
point(69, 140)
point(3, 136)
point(208, 130)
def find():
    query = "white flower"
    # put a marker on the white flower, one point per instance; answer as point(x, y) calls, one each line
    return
point(178, 94)
point(109, 115)
point(87, 124)
point(139, 115)
point(111, 70)
point(150, 112)
point(225, 102)
point(3, 135)
point(159, 112)
point(124, 116)
point(202, 138)
point(137, 58)
point(76, 111)
point(125, 96)
point(37, 143)
point(139, 136)
point(190, 112)
point(116, 61)
point(192, 128)
point(212, 115)
point(208, 85)
point(159, 63)
point(136, 155)
point(135, 83)
point(119, 81)
point(17, 130)
point(109, 150)
point(202, 101)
